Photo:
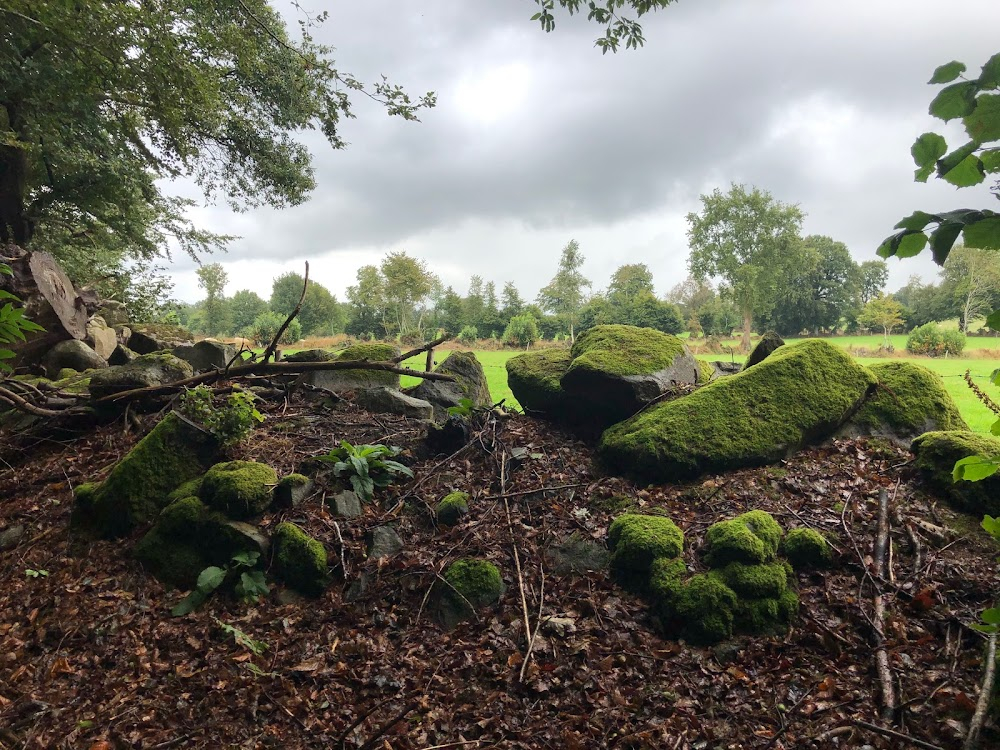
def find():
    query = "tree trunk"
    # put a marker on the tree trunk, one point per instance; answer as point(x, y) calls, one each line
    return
point(747, 327)
point(49, 299)
point(14, 226)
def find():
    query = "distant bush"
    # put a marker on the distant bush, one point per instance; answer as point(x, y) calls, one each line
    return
point(468, 335)
point(521, 331)
point(412, 338)
point(931, 341)
point(265, 326)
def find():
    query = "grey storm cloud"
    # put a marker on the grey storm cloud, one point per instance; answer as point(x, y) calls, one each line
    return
point(816, 102)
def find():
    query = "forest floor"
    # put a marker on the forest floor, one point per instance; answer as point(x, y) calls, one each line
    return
point(91, 658)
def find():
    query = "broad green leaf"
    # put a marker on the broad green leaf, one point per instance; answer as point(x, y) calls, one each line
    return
point(989, 77)
point(983, 628)
point(916, 221)
point(246, 558)
point(984, 234)
point(957, 100)
point(888, 247)
point(188, 604)
point(995, 427)
point(983, 125)
point(926, 150)
point(974, 469)
point(992, 525)
point(948, 72)
point(991, 160)
point(911, 244)
point(962, 167)
point(4, 294)
point(991, 616)
point(942, 240)
point(210, 579)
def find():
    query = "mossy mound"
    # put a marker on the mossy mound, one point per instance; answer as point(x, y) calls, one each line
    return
point(912, 400)
point(292, 490)
point(190, 488)
point(240, 489)
point(452, 508)
point(936, 455)
point(799, 395)
point(142, 372)
point(806, 549)
point(470, 383)
point(373, 352)
point(299, 559)
point(763, 581)
point(705, 372)
point(767, 616)
point(703, 607)
point(139, 486)
point(750, 538)
point(534, 378)
point(637, 540)
point(624, 350)
point(470, 584)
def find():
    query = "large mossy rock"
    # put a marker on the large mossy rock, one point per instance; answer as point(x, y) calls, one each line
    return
point(189, 536)
point(617, 369)
point(206, 355)
point(351, 380)
point(470, 383)
point(72, 354)
point(936, 455)
point(799, 395)
point(138, 487)
point(910, 401)
point(142, 372)
point(299, 559)
point(240, 489)
point(534, 378)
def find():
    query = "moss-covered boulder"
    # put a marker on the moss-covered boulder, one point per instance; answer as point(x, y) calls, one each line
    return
point(469, 585)
point(766, 616)
point(936, 455)
point(142, 372)
point(703, 608)
point(534, 379)
point(353, 380)
point(636, 541)
point(140, 484)
point(706, 373)
point(806, 549)
point(452, 508)
point(751, 538)
point(910, 401)
point(299, 559)
point(761, 581)
point(618, 369)
point(470, 383)
point(240, 489)
point(188, 536)
point(799, 395)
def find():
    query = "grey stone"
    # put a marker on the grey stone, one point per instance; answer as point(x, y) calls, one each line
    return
point(470, 383)
point(383, 541)
point(101, 337)
point(122, 355)
point(359, 587)
point(765, 347)
point(577, 554)
point(345, 504)
point(158, 337)
point(206, 355)
point(10, 536)
point(72, 354)
point(391, 401)
point(292, 490)
point(722, 368)
point(144, 371)
point(310, 355)
point(246, 536)
point(114, 313)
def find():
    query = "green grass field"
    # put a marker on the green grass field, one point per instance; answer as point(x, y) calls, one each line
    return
point(951, 370)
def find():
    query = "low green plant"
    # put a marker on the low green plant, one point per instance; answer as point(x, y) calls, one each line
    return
point(229, 423)
point(13, 324)
point(464, 408)
point(366, 466)
point(249, 586)
point(930, 340)
point(242, 639)
point(468, 335)
point(32, 573)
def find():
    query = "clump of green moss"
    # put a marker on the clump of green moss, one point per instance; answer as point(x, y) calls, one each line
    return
point(936, 455)
point(299, 559)
point(637, 540)
point(373, 352)
point(666, 576)
point(705, 372)
point(767, 616)
point(138, 487)
point(704, 607)
point(624, 350)
point(806, 549)
point(750, 538)
point(798, 395)
point(911, 400)
point(477, 582)
point(452, 507)
point(534, 378)
point(761, 581)
point(190, 488)
point(240, 489)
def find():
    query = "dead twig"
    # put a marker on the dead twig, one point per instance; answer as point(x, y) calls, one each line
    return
point(878, 618)
point(389, 725)
point(895, 735)
point(985, 693)
point(269, 352)
point(420, 349)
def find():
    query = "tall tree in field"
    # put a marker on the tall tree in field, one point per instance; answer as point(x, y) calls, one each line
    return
point(511, 303)
point(244, 308)
point(212, 278)
point(746, 238)
point(882, 312)
point(563, 295)
point(320, 312)
point(971, 278)
point(873, 275)
point(628, 282)
point(406, 284)
point(367, 303)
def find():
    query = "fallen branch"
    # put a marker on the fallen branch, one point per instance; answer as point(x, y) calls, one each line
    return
point(389, 725)
point(420, 349)
point(538, 624)
point(985, 694)
point(911, 534)
point(342, 737)
point(272, 347)
point(878, 618)
point(895, 735)
point(22, 404)
point(517, 563)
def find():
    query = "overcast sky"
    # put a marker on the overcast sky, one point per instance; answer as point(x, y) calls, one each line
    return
point(539, 138)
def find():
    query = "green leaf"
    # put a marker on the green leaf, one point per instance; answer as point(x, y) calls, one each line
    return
point(252, 585)
point(948, 72)
point(991, 616)
point(943, 239)
point(926, 150)
point(974, 469)
point(911, 244)
point(992, 525)
point(991, 160)
point(983, 124)
point(983, 234)
point(210, 579)
point(916, 221)
point(249, 559)
point(957, 100)
point(989, 77)
point(188, 604)
point(962, 167)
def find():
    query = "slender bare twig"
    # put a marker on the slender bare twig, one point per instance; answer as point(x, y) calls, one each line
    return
point(985, 694)
point(269, 352)
point(878, 618)
point(420, 349)
point(895, 735)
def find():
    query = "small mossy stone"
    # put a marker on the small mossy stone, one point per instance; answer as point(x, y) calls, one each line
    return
point(452, 508)
point(806, 549)
point(373, 352)
point(769, 343)
point(190, 488)
point(624, 350)
point(936, 455)
point(83, 496)
point(703, 607)
point(734, 541)
point(534, 378)
point(765, 527)
point(299, 559)
point(762, 581)
point(182, 519)
point(637, 540)
point(170, 560)
point(292, 490)
point(577, 554)
point(240, 489)
point(469, 584)
point(705, 372)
